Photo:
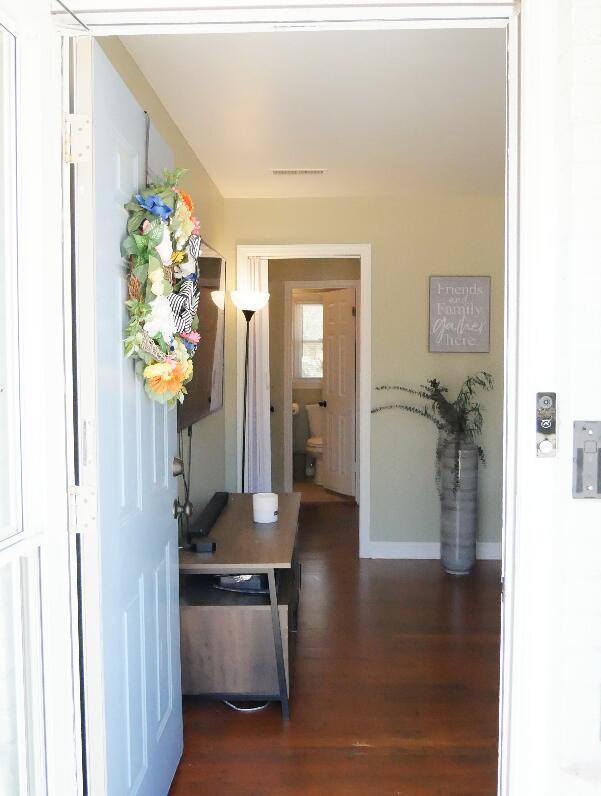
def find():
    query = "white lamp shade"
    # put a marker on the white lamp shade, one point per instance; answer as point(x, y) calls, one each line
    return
point(218, 297)
point(249, 299)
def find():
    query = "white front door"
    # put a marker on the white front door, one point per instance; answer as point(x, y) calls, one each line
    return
point(135, 441)
point(339, 379)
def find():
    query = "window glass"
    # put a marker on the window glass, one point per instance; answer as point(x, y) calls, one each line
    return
point(309, 342)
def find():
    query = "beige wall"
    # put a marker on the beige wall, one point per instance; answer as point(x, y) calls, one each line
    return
point(280, 272)
point(411, 239)
point(208, 450)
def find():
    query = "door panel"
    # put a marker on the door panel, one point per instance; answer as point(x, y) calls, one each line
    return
point(339, 390)
point(136, 443)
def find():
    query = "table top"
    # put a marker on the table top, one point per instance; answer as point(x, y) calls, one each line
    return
point(244, 546)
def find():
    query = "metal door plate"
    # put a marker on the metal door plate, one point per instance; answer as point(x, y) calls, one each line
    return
point(587, 459)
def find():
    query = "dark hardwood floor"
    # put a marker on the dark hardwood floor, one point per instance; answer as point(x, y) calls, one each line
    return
point(395, 684)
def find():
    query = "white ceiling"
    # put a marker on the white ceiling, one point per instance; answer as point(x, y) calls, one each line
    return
point(385, 112)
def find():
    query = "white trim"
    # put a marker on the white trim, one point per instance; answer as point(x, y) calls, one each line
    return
point(223, 16)
point(485, 551)
point(510, 419)
point(289, 382)
point(313, 251)
point(91, 588)
point(489, 551)
point(402, 550)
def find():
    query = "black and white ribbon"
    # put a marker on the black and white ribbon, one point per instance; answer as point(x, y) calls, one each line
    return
point(184, 306)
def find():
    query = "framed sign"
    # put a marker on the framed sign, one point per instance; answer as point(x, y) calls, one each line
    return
point(459, 314)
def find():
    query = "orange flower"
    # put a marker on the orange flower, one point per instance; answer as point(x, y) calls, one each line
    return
point(168, 380)
point(187, 200)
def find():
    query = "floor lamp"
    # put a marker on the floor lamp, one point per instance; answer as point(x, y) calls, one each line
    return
point(248, 301)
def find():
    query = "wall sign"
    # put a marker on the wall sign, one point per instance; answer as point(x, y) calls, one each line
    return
point(459, 314)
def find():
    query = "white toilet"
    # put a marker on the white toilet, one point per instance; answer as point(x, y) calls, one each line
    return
point(314, 446)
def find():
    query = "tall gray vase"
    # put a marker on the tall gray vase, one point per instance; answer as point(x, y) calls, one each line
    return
point(458, 507)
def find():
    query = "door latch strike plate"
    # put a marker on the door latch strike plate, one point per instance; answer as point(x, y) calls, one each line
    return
point(587, 459)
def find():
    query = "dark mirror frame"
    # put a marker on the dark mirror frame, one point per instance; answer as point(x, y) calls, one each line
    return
point(205, 390)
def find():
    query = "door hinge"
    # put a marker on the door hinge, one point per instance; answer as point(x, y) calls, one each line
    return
point(354, 312)
point(77, 138)
point(502, 589)
point(82, 509)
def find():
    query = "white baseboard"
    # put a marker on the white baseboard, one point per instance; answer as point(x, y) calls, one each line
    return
point(490, 551)
point(401, 550)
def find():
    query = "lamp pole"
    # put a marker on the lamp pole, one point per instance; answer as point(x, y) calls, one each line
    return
point(248, 314)
point(248, 301)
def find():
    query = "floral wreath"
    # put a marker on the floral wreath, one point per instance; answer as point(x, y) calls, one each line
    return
point(162, 246)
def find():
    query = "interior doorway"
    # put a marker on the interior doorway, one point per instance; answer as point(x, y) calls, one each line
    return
point(356, 258)
point(314, 365)
point(320, 387)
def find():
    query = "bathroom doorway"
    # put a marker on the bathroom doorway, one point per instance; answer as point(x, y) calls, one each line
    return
point(314, 365)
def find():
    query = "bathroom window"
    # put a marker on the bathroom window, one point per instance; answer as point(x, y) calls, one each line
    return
point(308, 343)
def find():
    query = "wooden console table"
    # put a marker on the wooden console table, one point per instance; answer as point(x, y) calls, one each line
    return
point(208, 615)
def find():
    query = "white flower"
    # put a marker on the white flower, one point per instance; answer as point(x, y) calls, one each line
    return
point(160, 319)
point(158, 287)
point(187, 268)
point(156, 275)
point(165, 249)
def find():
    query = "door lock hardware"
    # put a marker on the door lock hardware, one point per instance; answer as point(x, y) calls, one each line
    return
point(177, 468)
point(587, 459)
point(546, 424)
point(182, 508)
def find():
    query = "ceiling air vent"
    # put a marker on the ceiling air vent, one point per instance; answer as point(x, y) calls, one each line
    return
point(297, 172)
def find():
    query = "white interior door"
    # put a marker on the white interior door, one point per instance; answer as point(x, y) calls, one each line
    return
point(339, 390)
point(136, 442)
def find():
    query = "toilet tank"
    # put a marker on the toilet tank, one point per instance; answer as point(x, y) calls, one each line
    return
point(315, 416)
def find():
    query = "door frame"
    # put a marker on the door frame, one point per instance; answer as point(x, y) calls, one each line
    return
point(42, 549)
point(421, 14)
point(312, 251)
point(325, 284)
point(84, 423)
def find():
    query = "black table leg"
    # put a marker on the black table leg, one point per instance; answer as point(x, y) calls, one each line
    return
point(277, 640)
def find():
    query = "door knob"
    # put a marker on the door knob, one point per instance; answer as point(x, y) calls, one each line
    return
point(177, 468)
point(186, 508)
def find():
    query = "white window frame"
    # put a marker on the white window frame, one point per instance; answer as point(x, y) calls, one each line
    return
point(300, 382)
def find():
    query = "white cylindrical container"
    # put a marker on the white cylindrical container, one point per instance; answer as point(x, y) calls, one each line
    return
point(265, 507)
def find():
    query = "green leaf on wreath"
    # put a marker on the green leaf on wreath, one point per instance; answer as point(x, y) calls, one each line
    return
point(129, 246)
point(141, 272)
point(154, 263)
point(135, 220)
point(154, 233)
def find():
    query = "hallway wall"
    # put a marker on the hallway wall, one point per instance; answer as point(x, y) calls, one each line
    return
point(412, 238)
